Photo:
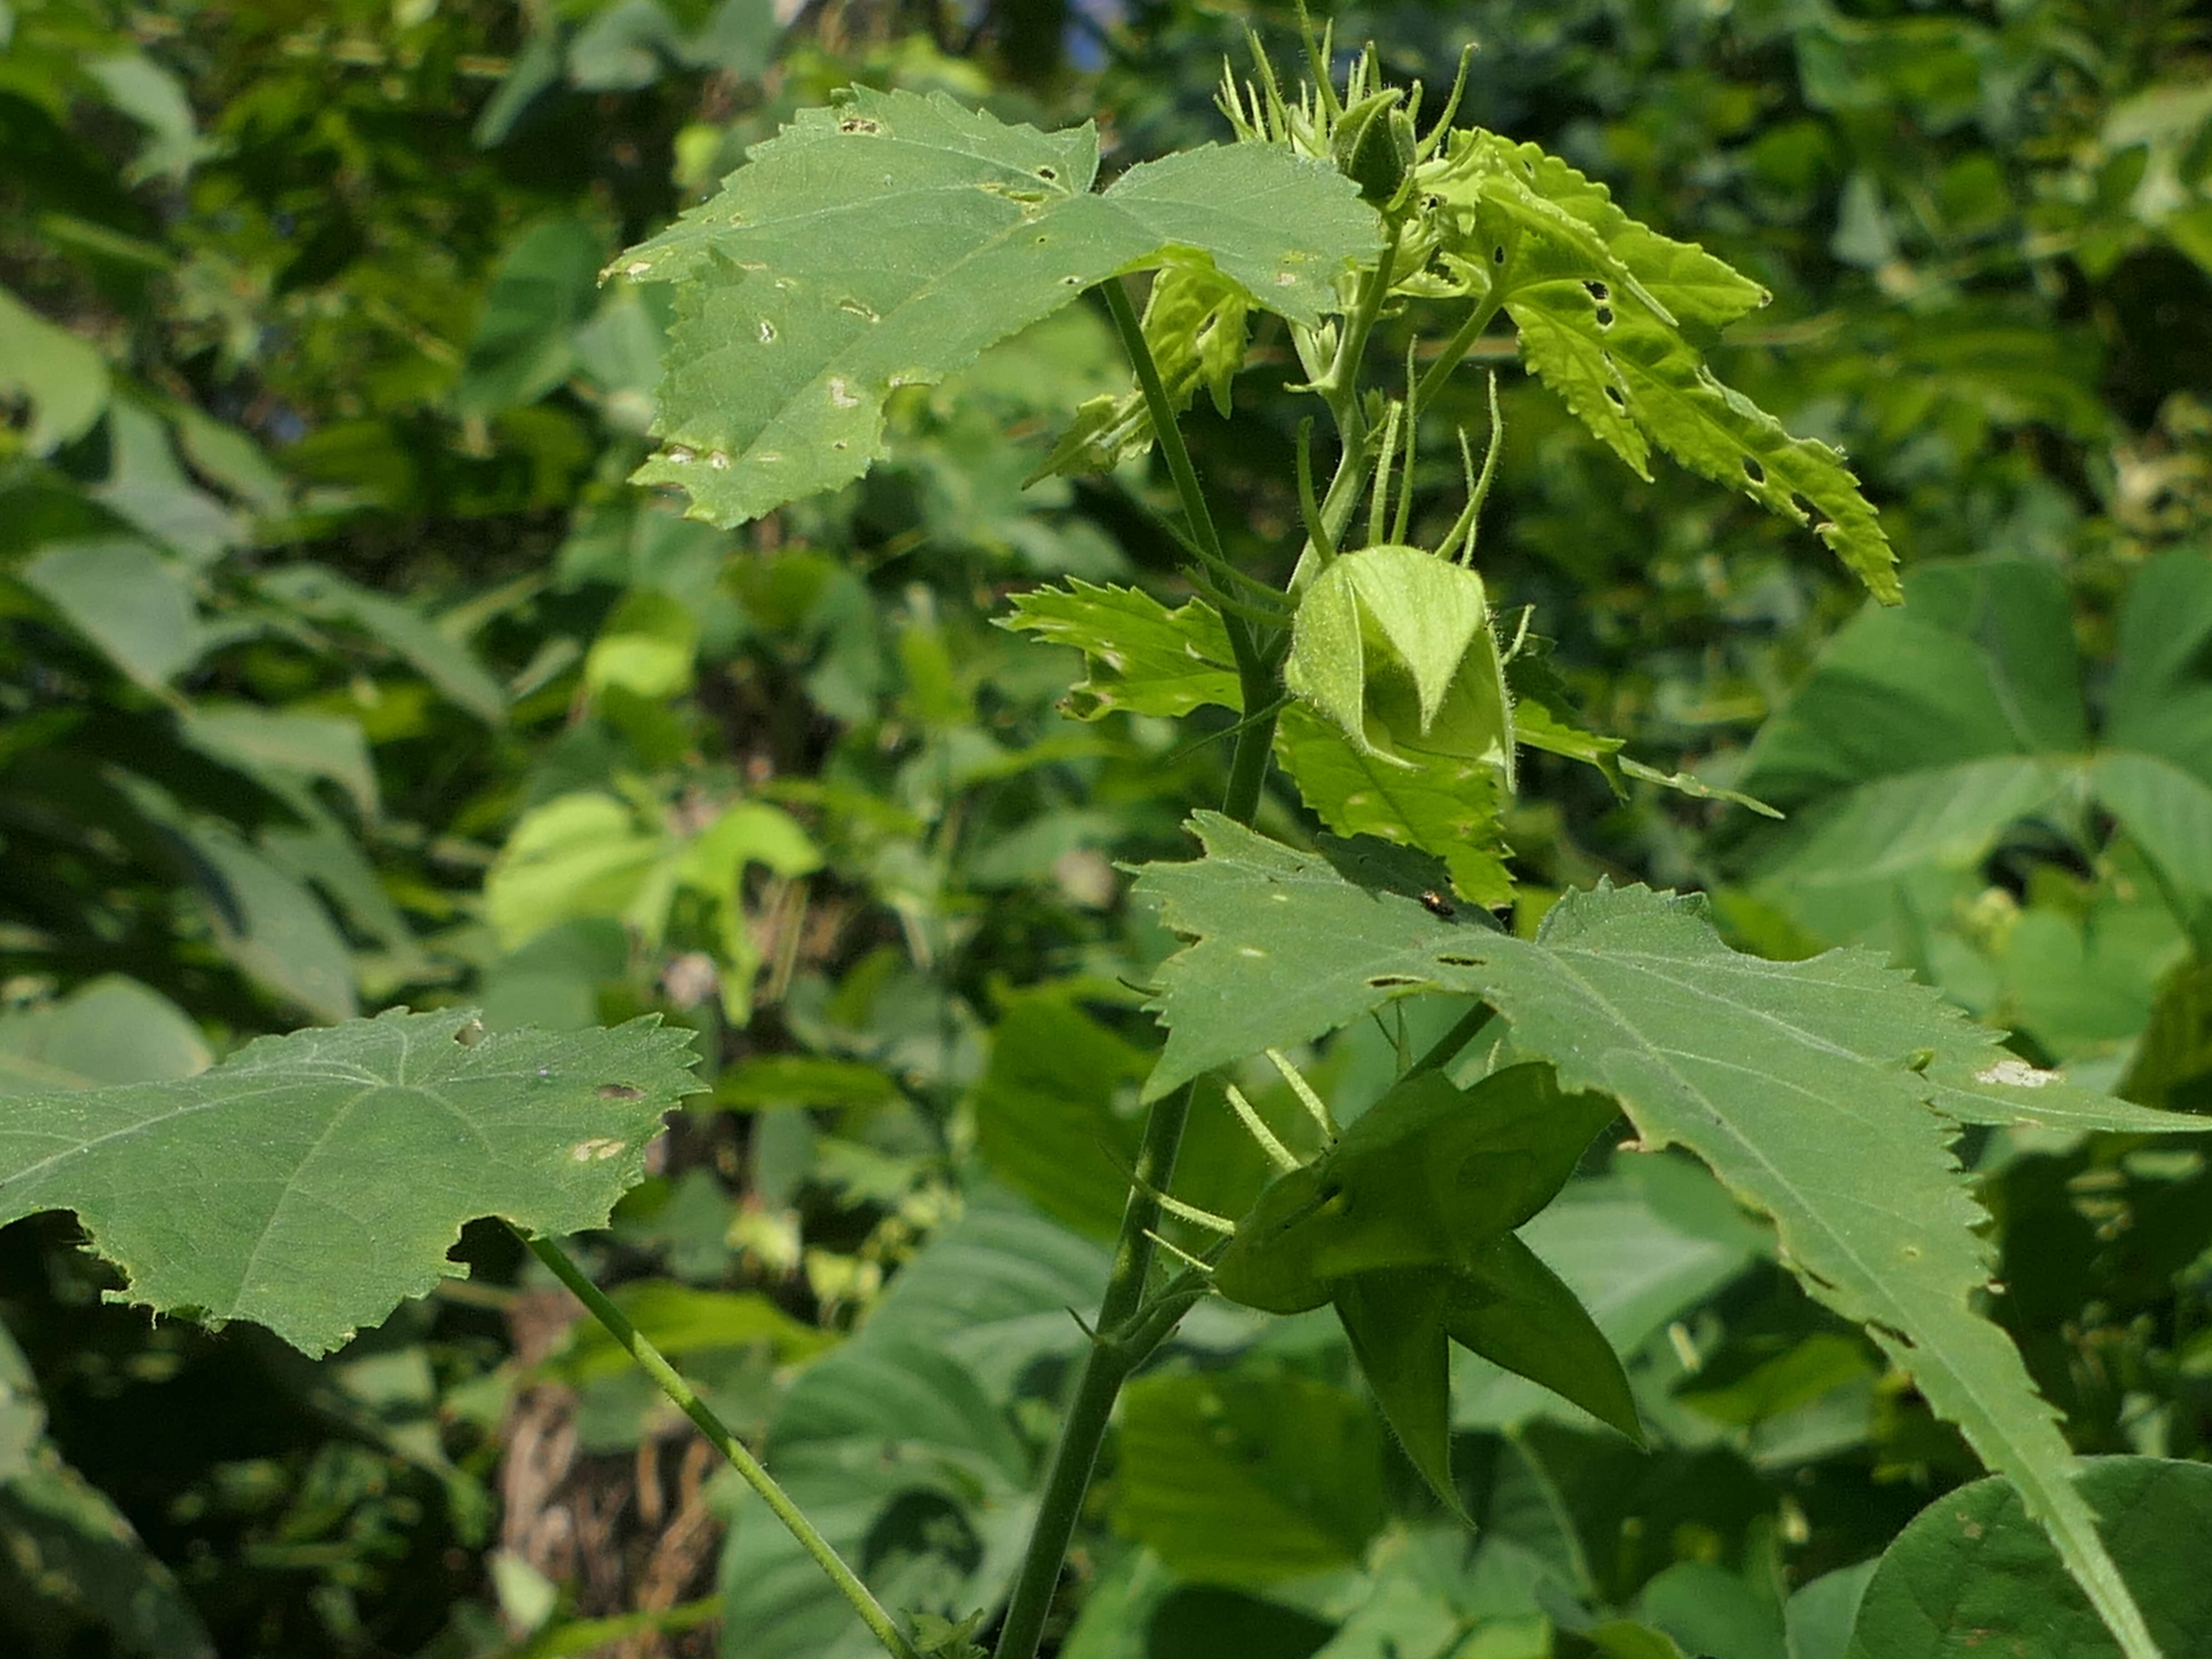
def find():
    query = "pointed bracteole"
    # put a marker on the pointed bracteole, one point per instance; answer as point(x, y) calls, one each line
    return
point(1275, 1152)
point(1316, 1107)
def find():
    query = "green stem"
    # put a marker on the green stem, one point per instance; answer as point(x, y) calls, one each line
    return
point(1470, 1026)
point(1339, 388)
point(725, 1441)
point(1115, 1353)
point(1456, 348)
point(1254, 676)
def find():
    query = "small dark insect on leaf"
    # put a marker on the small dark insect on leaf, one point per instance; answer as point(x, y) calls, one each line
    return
point(1436, 905)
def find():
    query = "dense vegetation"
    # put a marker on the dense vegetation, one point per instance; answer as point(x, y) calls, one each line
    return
point(345, 670)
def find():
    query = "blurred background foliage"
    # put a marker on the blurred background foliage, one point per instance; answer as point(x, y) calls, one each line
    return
point(339, 668)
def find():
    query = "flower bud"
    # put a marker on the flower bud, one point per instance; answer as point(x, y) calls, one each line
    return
point(1393, 644)
point(1374, 144)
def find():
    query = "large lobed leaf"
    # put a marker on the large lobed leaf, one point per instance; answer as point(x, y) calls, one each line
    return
point(312, 1181)
point(887, 241)
point(1808, 1087)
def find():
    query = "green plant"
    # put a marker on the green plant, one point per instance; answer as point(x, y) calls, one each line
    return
point(1375, 676)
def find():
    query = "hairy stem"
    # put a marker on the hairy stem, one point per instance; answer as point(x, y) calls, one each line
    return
point(725, 1441)
point(1255, 677)
point(1114, 1353)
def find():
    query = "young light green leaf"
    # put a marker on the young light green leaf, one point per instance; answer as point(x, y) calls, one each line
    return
point(1194, 323)
point(1602, 302)
point(1144, 657)
point(1798, 1083)
point(1442, 806)
point(311, 1181)
point(887, 241)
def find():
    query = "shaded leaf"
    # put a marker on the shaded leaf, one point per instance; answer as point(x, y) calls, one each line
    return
point(111, 1030)
point(1247, 1479)
point(446, 664)
point(1973, 1574)
point(128, 600)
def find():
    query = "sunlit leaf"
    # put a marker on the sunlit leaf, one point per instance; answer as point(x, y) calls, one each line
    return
point(887, 241)
point(311, 1181)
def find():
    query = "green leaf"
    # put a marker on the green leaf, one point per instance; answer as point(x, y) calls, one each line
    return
point(62, 378)
point(280, 741)
point(111, 1029)
point(1051, 1116)
point(1795, 1082)
point(1405, 1223)
point(994, 1291)
point(680, 1320)
point(72, 1544)
point(1711, 1612)
point(1924, 735)
point(1239, 1479)
point(311, 1181)
point(1442, 806)
point(127, 599)
point(887, 241)
point(1973, 1574)
point(268, 922)
point(1817, 1620)
point(1142, 656)
point(1430, 1176)
point(1621, 1244)
point(524, 344)
point(1601, 300)
point(908, 1470)
point(2172, 1063)
point(446, 664)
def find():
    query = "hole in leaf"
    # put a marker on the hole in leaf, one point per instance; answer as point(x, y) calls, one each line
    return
point(1753, 471)
point(470, 1034)
point(1613, 393)
point(1498, 254)
point(1389, 982)
point(1050, 175)
point(1599, 291)
point(859, 123)
point(619, 1091)
point(1459, 962)
point(1605, 316)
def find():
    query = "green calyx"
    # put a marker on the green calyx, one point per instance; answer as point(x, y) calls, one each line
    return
point(1406, 1226)
point(1374, 145)
point(1394, 645)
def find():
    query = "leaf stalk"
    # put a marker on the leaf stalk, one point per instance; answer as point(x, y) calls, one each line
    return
point(725, 1440)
